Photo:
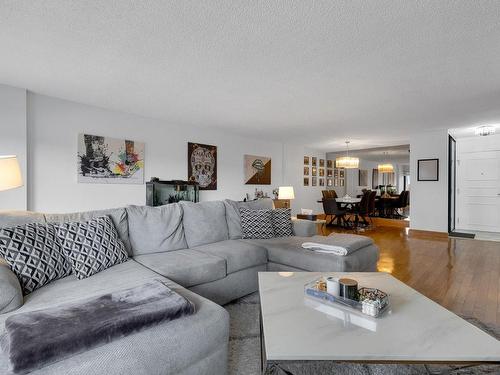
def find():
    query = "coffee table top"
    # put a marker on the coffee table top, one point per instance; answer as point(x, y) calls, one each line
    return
point(416, 329)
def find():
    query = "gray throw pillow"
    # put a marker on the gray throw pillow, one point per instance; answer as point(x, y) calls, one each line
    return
point(256, 224)
point(34, 254)
point(282, 222)
point(91, 246)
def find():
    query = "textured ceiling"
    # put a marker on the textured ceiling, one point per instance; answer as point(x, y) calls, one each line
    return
point(301, 71)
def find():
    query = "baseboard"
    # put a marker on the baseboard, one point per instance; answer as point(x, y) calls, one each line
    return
point(417, 233)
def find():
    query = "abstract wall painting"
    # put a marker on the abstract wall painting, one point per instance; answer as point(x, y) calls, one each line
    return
point(363, 177)
point(202, 165)
point(110, 160)
point(257, 170)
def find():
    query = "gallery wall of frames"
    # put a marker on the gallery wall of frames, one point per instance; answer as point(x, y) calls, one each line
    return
point(322, 172)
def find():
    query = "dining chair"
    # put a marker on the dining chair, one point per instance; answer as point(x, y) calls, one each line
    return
point(331, 209)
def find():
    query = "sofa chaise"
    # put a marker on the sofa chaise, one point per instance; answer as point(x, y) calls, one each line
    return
point(198, 250)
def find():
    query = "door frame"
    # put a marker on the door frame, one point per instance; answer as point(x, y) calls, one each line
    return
point(452, 186)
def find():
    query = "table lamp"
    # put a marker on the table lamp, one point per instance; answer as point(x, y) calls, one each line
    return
point(286, 193)
point(10, 173)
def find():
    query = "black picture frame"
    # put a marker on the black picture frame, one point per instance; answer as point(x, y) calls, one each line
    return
point(428, 170)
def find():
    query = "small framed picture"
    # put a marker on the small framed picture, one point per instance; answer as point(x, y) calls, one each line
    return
point(341, 174)
point(329, 173)
point(306, 160)
point(342, 182)
point(336, 173)
point(306, 181)
point(428, 170)
point(306, 171)
point(314, 171)
point(314, 181)
point(322, 163)
point(329, 182)
point(335, 182)
point(321, 182)
point(321, 172)
point(314, 161)
point(329, 164)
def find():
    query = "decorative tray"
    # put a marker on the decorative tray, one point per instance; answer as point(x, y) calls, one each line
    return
point(366, 305)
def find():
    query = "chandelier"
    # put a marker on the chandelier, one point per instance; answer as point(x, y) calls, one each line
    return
point(347, 162)
point(385, 168)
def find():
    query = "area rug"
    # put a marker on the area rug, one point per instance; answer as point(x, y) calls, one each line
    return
point(244, 351)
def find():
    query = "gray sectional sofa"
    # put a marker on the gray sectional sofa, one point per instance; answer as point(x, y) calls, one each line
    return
point(197, 249)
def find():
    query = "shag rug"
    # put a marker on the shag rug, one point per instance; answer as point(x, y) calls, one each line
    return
point(244, 351)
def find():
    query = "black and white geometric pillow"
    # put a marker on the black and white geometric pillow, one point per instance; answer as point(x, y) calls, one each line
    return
point(256, 224)
point(91, 246)
point(34, 254)
point(282, 222)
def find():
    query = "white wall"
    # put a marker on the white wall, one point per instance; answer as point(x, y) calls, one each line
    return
point(13, 141)
point(305, 196)
point(429, 199)
point(54, 125)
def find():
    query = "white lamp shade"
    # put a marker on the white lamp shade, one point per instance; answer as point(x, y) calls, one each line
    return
point(385, 168)
point(347, 162)
point(286, 192)
point(10, 173)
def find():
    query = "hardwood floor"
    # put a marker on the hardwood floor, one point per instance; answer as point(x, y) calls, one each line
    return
point(462, 275)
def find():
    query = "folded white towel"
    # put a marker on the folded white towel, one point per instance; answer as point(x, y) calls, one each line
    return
point(323, 248)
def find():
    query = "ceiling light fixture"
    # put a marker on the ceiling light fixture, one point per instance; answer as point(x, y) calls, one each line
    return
point(485, 130)
point(347, 161)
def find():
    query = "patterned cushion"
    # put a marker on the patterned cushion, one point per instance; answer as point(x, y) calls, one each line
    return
point(91, 246)
point(282, 222)
point(256, 224)
point(34, 254)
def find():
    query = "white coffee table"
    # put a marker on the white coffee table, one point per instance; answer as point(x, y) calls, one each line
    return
point(414, 330)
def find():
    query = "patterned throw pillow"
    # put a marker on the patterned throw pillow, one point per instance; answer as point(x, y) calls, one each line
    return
point(256, 224)
point(34, 254)
point(282, 222)
point(91, 246)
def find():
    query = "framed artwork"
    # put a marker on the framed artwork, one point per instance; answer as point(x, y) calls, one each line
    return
point(106, 160)
point(336, 173)
point(321, 172)
point(342, 182)
point(314, 161)
point(306, 160)
point(375, 178)
point(314, 181)
point(306, 171)
point(335, 182)
point(329, 173)
point(329, 164)
point(329, 182)
point(257, 170)
point(314, 171)
point(202, 165)
point(428, 170)
point(363, 177)
point(321, 182)
point(322, 163)
point(306, 181)
point(341, 173)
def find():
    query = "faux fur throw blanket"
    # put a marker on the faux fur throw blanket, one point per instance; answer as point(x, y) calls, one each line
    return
point(36, 338)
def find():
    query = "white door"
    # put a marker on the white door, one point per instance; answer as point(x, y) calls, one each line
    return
point(478, 191)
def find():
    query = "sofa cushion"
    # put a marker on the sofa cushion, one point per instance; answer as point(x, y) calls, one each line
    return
point(167, 348)
point(256, 224)
point(91, 246)
point(282, 222)
point(34, 254)
point(187, 267)
point(117, 215)
point(288, 251)
point(11, 294)
point(155, 229)
point(233, 214)
point(204, 222)
point(238, 254)
point(14, 218)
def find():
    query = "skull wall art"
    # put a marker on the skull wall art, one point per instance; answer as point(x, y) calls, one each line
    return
point(202, 165)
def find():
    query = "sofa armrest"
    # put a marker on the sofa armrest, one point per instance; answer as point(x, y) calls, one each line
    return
point(304, 228)
point(11, 295)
